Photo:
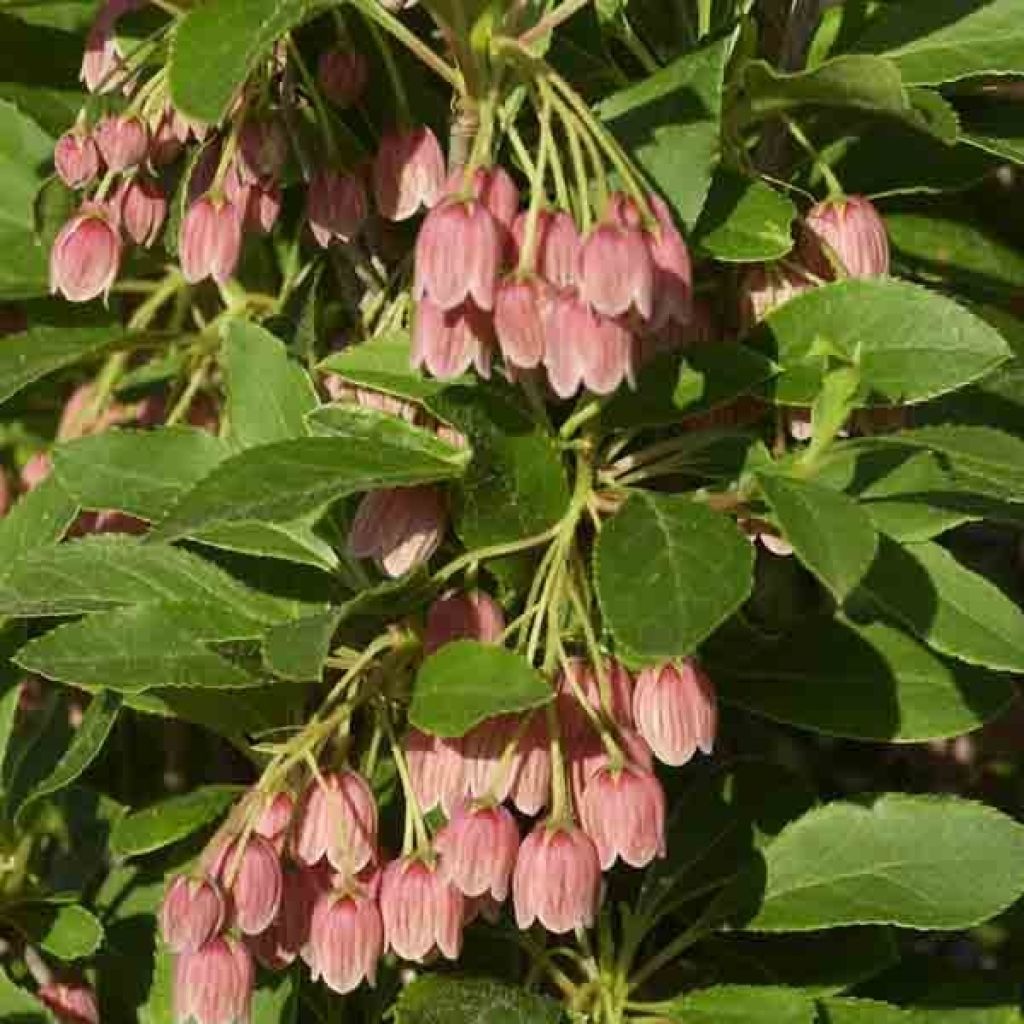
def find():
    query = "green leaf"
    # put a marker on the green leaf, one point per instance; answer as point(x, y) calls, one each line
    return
point(465, 682)
point(383, 364)
point(24, 149)
point(954, 610)
point(58, 335)
point(297, 649)
point(745, 221)
point(946, 40)
point(870, 1011)
point(18, 1007)
point(913, 861)
point(39, 518)
point(829, 532)
point(993, 127)
point(217, 45)
point(669, 571)
point(871, 682)
point(276, 1000)
point(742, 1004)
point(909, 344)
point(133, 649)
point(514, 486)
point(290, 542)
point(170, 820)
point(278, 482)
point(669, 123)
point(355, 422)
point(85, 747)
point(440, 999)
point(65, 930)
point(141, 472)
point(268, 394)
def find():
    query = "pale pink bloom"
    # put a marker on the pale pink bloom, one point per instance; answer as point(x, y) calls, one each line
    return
point(86, 255)
point(422, 910)
point(767, 286)
point(520, 307)
point(71, 1002)
point(263, 207)
point(262, 150)
point(847, 235)
point(483, 748)
point(408, 173)
point(214, 984)
point(346, 940)
point(615, 271)
point(437, 769)
point(191, 914)
point(557, 244)
point(103, 56)
point(607, 360)
point(447, 342)
point(250, 872)
point(336, 206)
point(557, 879)
point(458, 255)
point(167, 137)
point(675, 711)
point(288, 936)
point(123, 141)
point(337, 819)
point(673, 270)
point(342, 74)
point(573, 718)
point(478, 850)
point(211, 240)
point(586, 755)
point(493, 186)
point(583, 347)
point(463, 615)
point(275, 816)
point(399, 527)
point(76, 158)
point(623, 811)
point(531, 773)
point(143, 208)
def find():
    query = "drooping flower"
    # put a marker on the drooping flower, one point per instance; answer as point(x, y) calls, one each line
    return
point(437, 769)
point(86, 255)
point(421, 909)
point(767, 286)
point(342, 74)
point(408, 173)
point(249, 870)
point(211, 240)
point(463, 614)
point(191, 914)
point(615, 271)
point(214, 984)
point(399, 527)
point(520, 308)
point(143, 208)
point(288, 936)
point(478, 850)
point(493, 186)
point(76, 158)
point(71, 1002)
point(346, 939)
point(447, 342)
point(615, 698)
point(673, 270)
point(275, 816)
point(623, 811)
point(530, 787)
point(262, 150)
point(337, 819)
point(847, 235)
point(123, 141)
point(483, 749)
point(675, 710)
point(336, 206)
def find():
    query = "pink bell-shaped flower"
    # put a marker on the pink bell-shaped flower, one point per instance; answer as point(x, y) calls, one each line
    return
point(167, 137)
point(557, 879)
point(408, 173)
point(211, 240)
point(342, 74)
point(673, 270)
point(278, 946)
point(437, 769)
point(483, 749)
point(262, 150)
point(275, 816)
point(336, 206)
point(530, 788)
point(76, 158)
point(102, 62)
point(493, 186)
point(847, 235)
point(421, 909)
point(675, 711)
point(337, 820)
point(615, 271)
point(346, 940)
point(214, 984)
point(623, 811)
point(766, 286)
point(71, 1002)
point(191, 914)
point(249, 870)
point(143, 207)
point(399, 527)
point(463, 615)
point(86, 255)
point(574, 719)
point(478, 850)
point(583, 347)
point(458, 255)
point(520, 309)
point(447, 342)
point(123, 141)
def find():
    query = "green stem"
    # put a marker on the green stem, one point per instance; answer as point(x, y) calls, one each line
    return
point(835, 188)
point(401, 96)
point(411, 802)
point(528, 253)
point(552, 20)
point(703, 18)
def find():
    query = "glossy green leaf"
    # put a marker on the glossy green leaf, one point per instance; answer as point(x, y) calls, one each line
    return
point(160, 824)
point(870, 1011)
point(954, 610)
point(871, 682)
point(19, 1007)
point(268, 394)
point(289, 542)
point(669, 571)
point(297, 649)
point(440, 999)
point(355, 422)
point(65, 930)
point(913, 861)
point(830, 533)
point(742, 1004)
point(669, 123)
point(465, 682)
point(38, 518)
point(745, 221)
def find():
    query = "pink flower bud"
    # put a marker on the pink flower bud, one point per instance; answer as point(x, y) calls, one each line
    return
point(478, 850)
point(616, 699)
point(520, 308)
point(35, 471)
point(214, 984)
point(623, 811)
point(767, 286)
point(275, 816)
point(421, 910)
point(336, 206)
point(211, 240)
point(586, 755)
point(408, 173)
point(531, 780)
point(615, 271)
point(847, 235)
point(251, 876)
point(76, 158)
point(461, 615)
point(70, 1002)
point(493, 186)
point(675, 711)
point(448, 342)
point(558, 246)
point(458, 253)
point(143, 207)
point(259, 202)
point(346, 940)
point(122, 141)
point(483, 748)
point(167, 138)
point(337, 819)
point(673, 271)
point(399, 527)
point(102, 61)
point(86, 255)
point(191, 914)
point(342, 74)
point(288, 936)
point(262, 150)
point(557, 879)
point(437, 770)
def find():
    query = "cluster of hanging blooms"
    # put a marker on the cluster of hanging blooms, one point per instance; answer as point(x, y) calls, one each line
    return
point(533, 808)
